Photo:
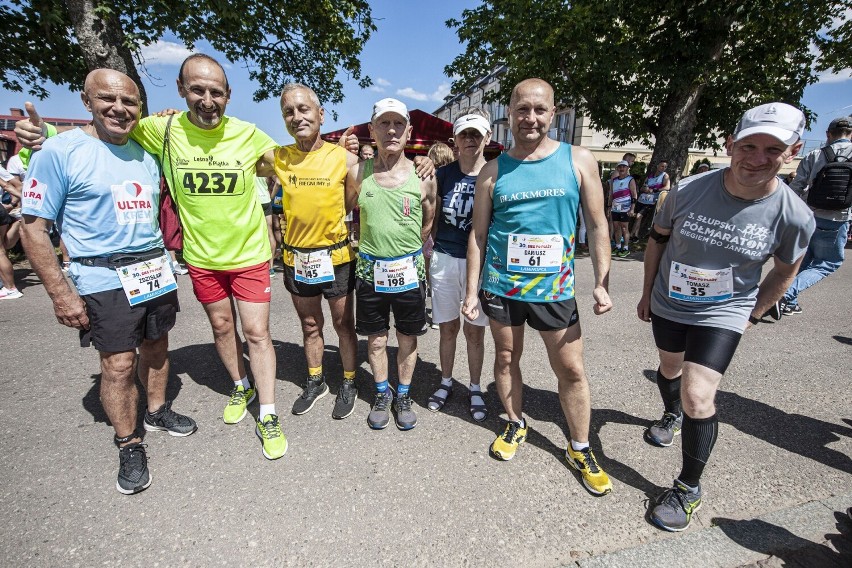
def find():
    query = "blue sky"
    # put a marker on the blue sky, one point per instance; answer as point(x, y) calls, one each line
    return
point(415, 75)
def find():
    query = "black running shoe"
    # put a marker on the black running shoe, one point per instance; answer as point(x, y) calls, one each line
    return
point(133, 475)
point(167, 420)
point(315, 389)
point(344, 405)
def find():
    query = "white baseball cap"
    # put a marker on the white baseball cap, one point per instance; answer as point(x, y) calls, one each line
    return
point(385, 106)
point(475, 121)
point(623, 163)
point(779, 120)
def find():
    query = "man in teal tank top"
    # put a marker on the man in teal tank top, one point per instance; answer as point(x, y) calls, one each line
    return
point(524, 217)
point(396, 216)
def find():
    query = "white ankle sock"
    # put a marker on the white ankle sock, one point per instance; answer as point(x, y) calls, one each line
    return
point(266, 410)
point(577, 446)
point(244, 382)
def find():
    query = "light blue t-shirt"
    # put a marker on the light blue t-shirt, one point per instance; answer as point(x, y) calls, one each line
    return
point(104, 199)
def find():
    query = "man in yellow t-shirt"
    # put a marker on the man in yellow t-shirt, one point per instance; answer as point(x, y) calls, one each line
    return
point(210, 161)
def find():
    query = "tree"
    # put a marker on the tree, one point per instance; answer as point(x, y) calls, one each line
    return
point(277, 40)
point(671, 75)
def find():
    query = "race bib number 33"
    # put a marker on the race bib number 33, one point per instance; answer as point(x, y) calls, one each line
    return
point(695, 284)
point(204, 182)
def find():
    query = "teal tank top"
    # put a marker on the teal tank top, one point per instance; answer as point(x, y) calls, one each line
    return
point(391, 220)
point(530, 249)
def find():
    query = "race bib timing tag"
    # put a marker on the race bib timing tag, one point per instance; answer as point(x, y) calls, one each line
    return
point(647, 198)
point(541, 254)
point(313, 267)
point(693, 284)
point(147, 280)
point(392, 276)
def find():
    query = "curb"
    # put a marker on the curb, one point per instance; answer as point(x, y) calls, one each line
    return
point(737, 542)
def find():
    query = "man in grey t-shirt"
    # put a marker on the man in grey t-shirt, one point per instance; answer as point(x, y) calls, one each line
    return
point(702, 284)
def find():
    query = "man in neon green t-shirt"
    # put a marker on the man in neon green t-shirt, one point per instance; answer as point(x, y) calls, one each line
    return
point(210, 162)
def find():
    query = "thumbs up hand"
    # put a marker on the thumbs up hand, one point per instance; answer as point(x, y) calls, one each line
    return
point(349, 140)
point(31, 131)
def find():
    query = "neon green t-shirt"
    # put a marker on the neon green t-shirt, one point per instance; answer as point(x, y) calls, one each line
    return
point(211, 174)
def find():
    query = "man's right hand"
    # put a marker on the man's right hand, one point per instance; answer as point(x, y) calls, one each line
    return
point(32, 131)
point(470, 307)
point(70, 310)
point(643, 308)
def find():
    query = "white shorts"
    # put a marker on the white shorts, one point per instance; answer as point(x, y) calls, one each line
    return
point(448, 277)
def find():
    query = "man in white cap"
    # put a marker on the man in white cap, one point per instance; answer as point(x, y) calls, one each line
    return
point(702, 285)
point(396, 216)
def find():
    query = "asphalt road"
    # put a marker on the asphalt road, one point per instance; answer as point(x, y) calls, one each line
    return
point(348, 496)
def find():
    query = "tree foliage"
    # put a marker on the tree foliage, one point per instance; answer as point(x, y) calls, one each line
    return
point(677, 74)
point(278, 41)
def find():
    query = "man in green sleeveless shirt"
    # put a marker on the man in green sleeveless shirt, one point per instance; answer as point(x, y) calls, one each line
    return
point(396, 216)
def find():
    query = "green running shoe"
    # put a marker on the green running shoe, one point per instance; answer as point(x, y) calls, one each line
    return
point(271, 436)
point(236, 409)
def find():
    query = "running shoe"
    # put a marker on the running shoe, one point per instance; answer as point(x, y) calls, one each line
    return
point(167, 420)
point(790, 309)
point(623, 253)
point(594, 478)
point(774, 311)
point(662, 432)
point(315, 389)
point(179, 269)
point(236, 409)
point(271, 437)
point(405, 417)
point(676, 506)
point(9, 293)
point(506, 444)
point(344, 404)
point(133, 474)
point(379, 416)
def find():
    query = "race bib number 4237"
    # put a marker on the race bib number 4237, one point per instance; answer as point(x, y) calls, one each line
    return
point(203, 182)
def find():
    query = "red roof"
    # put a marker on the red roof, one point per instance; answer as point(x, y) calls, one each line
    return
point(426, 130)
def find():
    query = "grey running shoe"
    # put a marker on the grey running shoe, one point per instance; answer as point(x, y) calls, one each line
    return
point(676, 506)
point(315, 389)
point(167, 420)
point(344, 405)
point(133, 475)
point(662, 432)
point(379, 416)
point(405, 417)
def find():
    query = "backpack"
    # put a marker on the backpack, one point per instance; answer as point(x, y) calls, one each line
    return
point(832, 187)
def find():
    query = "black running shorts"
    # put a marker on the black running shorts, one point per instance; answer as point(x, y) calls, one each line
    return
point(711, 347)
point(115, 326)
point(343, 283)
point(541, 316)
point(373, 309)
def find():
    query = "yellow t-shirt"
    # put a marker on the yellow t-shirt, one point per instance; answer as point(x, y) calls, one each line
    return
point(211, 174)
point(314, 199)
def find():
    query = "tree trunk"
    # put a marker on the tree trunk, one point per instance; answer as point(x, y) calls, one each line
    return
point(678, 116)
point(101, 38)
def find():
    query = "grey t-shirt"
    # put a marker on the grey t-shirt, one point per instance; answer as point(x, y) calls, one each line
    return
point(713, 231)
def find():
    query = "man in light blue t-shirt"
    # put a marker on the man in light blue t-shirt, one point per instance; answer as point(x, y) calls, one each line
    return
point(102, 191)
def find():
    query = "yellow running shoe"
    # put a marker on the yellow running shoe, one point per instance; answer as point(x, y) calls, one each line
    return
point(594, 478)
point(506, 444)
point(271, 436)
point(236, 408)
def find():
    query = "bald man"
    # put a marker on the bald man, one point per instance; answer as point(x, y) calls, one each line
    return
point(524, 217)
point(101, 190)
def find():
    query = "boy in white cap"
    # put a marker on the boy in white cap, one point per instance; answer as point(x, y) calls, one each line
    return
point(702, 285)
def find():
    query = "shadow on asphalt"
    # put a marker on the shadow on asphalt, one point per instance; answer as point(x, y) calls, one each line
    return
point(25, 277)
point(843, 340)
point(92, 399)
point(772, 540)
point(795, 433)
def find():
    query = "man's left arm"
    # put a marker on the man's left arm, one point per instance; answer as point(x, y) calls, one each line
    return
point(597, 229)
point(265, 166)
point(428, 189)
point(776, 282)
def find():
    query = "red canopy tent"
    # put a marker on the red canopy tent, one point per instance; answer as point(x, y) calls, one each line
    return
point(427, 129)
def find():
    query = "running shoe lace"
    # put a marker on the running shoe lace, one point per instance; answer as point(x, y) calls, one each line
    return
point(381, 401)
point(511, 432)
point(237, 397)
point(404, 402)
point(675, 499)
point(667, 421)
point(134, 459)
point(346, 393)
point(312, 388)
point(272, 428)
point(589, 458)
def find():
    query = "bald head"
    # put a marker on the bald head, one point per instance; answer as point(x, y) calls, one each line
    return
point(532, 86)
point(100, 78)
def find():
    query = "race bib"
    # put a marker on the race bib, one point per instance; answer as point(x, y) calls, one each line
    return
point(313, 267)
point(539, 254)
point(647, 198)
point(621, 207)
point(204, 182)
point(148, 279)
point(392, 276)
point(694, 284)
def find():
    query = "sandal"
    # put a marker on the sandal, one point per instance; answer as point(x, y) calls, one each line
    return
point(440, 397)
point(478, 408)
